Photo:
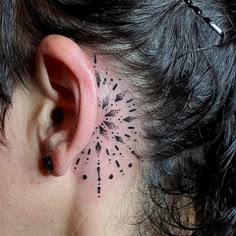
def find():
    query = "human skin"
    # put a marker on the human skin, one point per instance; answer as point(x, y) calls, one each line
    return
point(94, 186)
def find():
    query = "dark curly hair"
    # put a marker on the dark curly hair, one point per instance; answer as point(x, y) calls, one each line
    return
point(187, 78)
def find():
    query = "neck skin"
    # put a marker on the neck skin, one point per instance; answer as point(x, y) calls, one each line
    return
point(111, 153)
point(108, 169)
point(100, 192)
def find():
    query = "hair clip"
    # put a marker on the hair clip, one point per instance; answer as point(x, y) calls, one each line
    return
point(199, 12)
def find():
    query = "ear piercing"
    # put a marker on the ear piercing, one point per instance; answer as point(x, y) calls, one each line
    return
point(57, 117)
point(48, 163)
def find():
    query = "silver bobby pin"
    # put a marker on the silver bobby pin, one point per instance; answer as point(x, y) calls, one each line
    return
point(199, 12)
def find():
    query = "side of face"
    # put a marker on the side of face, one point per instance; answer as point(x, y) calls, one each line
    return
point(93, 146)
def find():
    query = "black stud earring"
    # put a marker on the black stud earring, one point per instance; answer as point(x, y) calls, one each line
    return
point(48, 163)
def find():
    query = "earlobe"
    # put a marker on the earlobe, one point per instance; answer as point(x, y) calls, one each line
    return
point(68, 81)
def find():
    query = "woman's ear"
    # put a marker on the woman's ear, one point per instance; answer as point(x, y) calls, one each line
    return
point(67, 79)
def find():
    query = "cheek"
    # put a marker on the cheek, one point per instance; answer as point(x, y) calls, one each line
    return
point(14, 182)
point(16, 162)
point(27, 197)
point(20, 155)
point(20, 180)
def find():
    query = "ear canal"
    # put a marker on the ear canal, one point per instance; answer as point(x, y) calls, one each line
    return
point(57, 116)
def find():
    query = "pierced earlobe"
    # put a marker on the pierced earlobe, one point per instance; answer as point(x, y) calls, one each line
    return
point(67, 82)
point(48, 163)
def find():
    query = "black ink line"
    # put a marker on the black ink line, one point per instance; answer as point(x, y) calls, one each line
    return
point(99, 190)
point(114, 88)
point(116, 147)
point(135, 154)
point(130, 100)
point(126, 135)
point(77, 162)
point(95, 59)
point(107, 151)
point(89, 151)
point(130, 127)
point(118, 164)
point(133, 110)
point(99, 177)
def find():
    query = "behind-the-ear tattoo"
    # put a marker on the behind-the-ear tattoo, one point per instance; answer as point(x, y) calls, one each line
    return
point(48, 163)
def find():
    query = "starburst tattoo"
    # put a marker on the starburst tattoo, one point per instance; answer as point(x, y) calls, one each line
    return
point(117, 127)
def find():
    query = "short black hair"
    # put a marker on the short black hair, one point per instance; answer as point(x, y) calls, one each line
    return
point(187, 80)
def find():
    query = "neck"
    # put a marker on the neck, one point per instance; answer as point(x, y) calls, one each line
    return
point(106, 173)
